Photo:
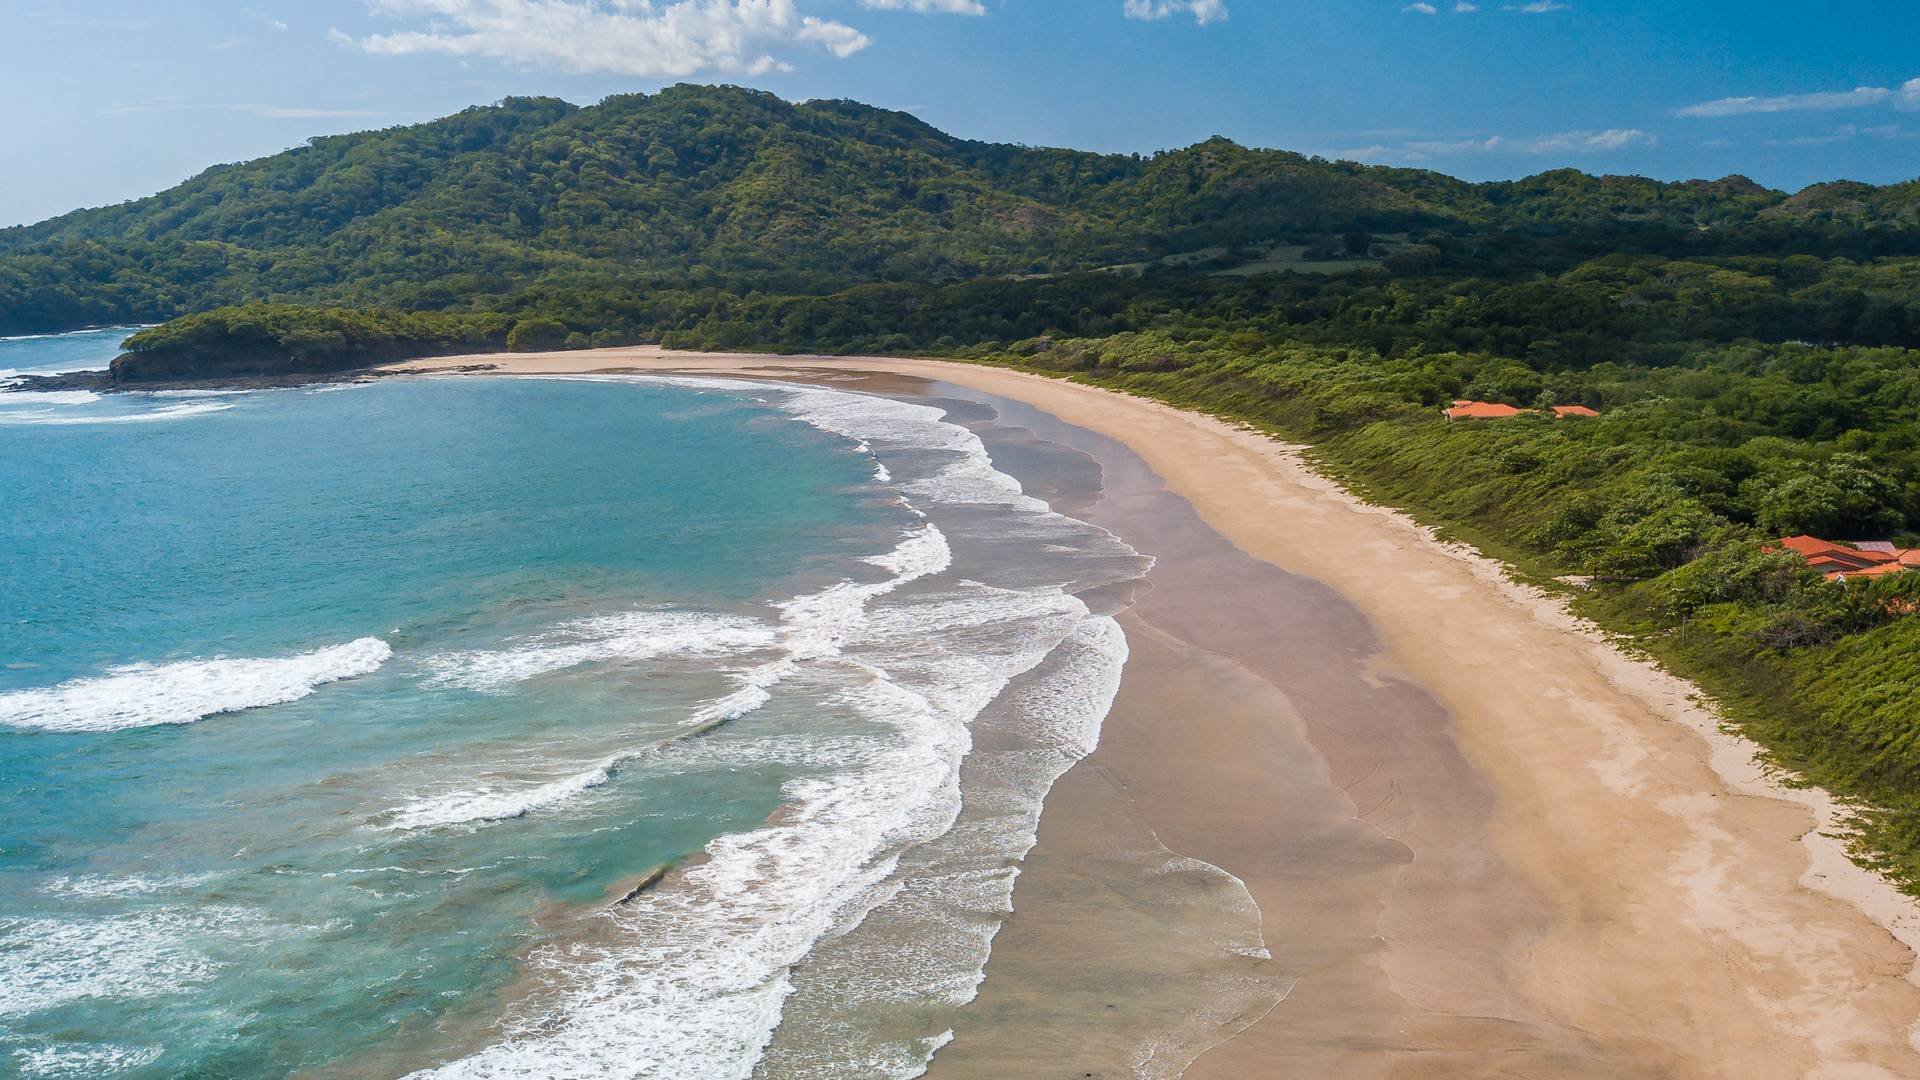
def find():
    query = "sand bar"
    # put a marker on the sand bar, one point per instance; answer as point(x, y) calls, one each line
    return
point(1525, 854)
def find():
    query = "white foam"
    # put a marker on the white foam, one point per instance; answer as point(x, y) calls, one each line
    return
point(195, 394)
point(694, 983)
point(628, 635)
point(45, 962)
point(89, 887)
point(813, 627)
point(143, 695)
point(171, 412)
point(127, 330)
point(969, 478)
point(83, 1062)
point(816, 626)
point(32, 398)
point(466, 807)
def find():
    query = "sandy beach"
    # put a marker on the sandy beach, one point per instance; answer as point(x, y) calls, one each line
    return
point(1482, 840)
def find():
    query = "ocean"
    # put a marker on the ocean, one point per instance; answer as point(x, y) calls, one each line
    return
point(516, 727)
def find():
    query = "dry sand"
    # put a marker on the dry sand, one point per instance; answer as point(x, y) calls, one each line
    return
point(1484, 841)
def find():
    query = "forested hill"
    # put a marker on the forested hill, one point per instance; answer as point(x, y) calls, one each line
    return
point(724, 186)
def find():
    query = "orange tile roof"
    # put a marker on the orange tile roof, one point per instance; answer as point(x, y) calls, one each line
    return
point(1824, 559)
point(1882, 570)
point(1573, 410)
point(1843, 560)
point(1480, 410)
point(1810, 546)
point(1846, 560)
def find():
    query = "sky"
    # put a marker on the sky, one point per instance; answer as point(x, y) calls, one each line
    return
point(107, 100)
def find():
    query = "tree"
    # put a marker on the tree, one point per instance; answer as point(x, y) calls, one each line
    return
point(1848, 497)
point(536, 334)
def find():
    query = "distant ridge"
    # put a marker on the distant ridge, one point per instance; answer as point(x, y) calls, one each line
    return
point(700, 185)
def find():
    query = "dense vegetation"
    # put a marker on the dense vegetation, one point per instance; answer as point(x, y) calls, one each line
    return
point(273, 338)
point(1753, 352)
point(730, 188)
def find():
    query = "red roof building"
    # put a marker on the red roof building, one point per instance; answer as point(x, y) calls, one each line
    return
point(1480, 410)
point(1837, 560)
point(1487, 410)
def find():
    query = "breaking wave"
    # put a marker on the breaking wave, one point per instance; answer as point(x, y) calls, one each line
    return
point(171, 412)
point(145, 695)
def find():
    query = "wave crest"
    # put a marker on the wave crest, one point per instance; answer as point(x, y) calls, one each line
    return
point(146, 695)
point(628, 635)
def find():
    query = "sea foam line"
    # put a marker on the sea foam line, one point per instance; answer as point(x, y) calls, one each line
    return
point(47, 417)
point(813, 627)
point(816, 626)
point(48, 962)
point(969, 477)
point(13, 398)
point(627, 635)
point(88, 1062)
point(145, 695)
point(694, 982)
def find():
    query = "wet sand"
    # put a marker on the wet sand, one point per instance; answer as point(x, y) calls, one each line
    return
point(1483, 842)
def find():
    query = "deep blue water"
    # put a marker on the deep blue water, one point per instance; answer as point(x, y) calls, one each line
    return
point(333, 719)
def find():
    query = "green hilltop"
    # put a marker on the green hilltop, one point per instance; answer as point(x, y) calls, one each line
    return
point(723, 186)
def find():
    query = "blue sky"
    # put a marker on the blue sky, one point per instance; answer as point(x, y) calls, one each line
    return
point(106, 100)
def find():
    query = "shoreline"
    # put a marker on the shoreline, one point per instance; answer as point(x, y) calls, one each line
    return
point(1682, 902)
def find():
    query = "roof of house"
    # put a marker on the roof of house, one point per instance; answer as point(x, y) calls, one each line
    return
point(1480, 410)
point(1811, 546)
point(1573, 410)
point(1826, 559)
point(1841, 559)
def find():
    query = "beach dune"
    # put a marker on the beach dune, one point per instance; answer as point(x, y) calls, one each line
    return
point(1483, 840)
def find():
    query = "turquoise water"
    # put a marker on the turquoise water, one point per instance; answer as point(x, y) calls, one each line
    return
point(334, 720)
point(83, 350)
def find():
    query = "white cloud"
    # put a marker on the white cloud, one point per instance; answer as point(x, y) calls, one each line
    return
point(1421, 7)
point(1203, 11)
point(1565, 142)
point(1847, 133)
point(1538, 7)
point(644, 38)
point(1904, 96)
point(928, 7)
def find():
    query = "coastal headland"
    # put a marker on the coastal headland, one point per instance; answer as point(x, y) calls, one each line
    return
point(1483, 840)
